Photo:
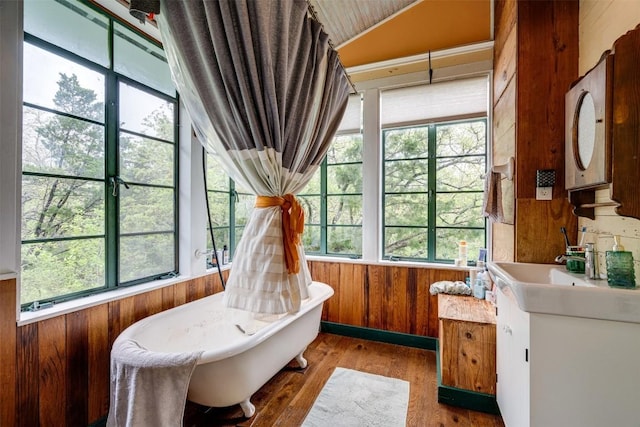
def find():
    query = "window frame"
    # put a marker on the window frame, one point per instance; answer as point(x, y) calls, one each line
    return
point(431, 191)
point(112, 132)
point(324, 202)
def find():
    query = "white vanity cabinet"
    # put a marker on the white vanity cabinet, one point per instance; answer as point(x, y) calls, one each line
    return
point(565, 371)
point(512, 364)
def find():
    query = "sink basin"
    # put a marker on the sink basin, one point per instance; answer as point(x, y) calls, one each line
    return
point(551, 289)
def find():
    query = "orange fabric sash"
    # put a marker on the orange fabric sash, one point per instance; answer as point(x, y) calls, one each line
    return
point(292, 226)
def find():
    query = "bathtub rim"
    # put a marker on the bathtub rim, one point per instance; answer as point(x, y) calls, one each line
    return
point(319, 291)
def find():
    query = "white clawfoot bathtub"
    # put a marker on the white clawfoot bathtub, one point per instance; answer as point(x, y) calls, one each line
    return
point(241, 351)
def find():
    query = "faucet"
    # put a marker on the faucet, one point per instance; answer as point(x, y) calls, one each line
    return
point(563, 258)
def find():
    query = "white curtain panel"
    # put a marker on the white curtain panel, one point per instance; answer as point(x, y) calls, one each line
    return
point(266, 95)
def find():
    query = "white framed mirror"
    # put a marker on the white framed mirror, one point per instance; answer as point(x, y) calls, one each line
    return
point(585, 130)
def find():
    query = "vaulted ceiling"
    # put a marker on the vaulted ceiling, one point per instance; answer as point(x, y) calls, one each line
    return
point(378, 31)
point(368, 31)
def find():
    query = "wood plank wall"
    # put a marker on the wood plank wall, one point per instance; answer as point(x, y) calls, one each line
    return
point(504, 120)
point(547, 58)
point(391, 298)
point(56, 371)
point(536, 60)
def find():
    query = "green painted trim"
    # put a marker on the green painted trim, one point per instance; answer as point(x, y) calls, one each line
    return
point(102, 422)
point(408, 340)
point(462, 398)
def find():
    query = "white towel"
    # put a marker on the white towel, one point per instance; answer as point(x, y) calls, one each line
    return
point(448, 287)
point(148, 388)
point(492, 206)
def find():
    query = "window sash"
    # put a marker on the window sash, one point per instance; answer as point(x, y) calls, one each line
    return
point(111, 237)
point(433, 231)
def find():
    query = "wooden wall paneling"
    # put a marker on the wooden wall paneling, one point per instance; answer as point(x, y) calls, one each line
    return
point(504, 123)
point(168, 297)
point(352, 310)
point(376, 297)
point(626, 124)
point(505, 20)
point(28, 381)
point(420, 325)
point(8, 338)
point(77, 344)
point(147, 304)
point(538, 229)
point(546, 67)
point(52, 365)
point(396, 309)
point(99, 361)
point(505, 65)
point(180, 293)
point(412, 301)
point(329, 273)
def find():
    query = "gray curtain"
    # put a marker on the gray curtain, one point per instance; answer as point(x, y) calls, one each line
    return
point(266, 95)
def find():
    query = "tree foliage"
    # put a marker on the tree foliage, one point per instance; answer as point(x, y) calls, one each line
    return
point(64, 187)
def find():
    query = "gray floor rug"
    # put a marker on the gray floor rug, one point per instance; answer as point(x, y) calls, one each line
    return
point(353, 398)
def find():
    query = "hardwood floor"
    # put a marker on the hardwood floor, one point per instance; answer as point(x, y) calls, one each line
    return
point(287, 398)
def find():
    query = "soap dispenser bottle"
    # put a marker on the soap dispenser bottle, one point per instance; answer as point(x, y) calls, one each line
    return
point(620, 269)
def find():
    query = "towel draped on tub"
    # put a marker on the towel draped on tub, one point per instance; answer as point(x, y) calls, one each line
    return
point(148, 388)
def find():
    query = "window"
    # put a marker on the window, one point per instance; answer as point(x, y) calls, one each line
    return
point(230, 206)
point(333, 198)
point(433, 170)
point(98, 155)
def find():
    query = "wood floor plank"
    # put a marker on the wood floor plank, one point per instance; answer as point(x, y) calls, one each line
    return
point(287, 398)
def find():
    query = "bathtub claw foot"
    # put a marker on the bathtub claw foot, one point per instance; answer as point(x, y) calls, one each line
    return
point(302, 362)
point(247, 408)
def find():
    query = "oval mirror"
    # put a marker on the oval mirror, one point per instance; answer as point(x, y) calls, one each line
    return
point(584, 136)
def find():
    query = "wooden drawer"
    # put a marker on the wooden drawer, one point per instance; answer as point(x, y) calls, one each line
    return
point(467, 343)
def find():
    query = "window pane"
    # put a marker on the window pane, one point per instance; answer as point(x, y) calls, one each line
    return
point(145, 209)
point(59, 84)
point(243, 208)
point(219, 208)
point(313, 186)
point(405, 242)
point(459, 209)
point(222, 238)
point(460, 174)
point(345, 149)
point(344, 240)
point(60, 22)
point(311, 206)
point(311, 238)
point(59, 207)
point(344, 210)
point(406, 143)
point(344, 179)
point(217, 179)
point(461, 139)
point(447, 239)
point(61, 145)
point(406, 176)
point(144, 113)
point(146, 161)
point(50, 269)
point(141, 60)
point(405, 209)
point(144, 256)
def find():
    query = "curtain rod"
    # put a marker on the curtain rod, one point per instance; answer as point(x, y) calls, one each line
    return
point(314, 15)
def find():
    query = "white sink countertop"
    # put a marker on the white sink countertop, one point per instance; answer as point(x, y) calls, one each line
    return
point(550, 289)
